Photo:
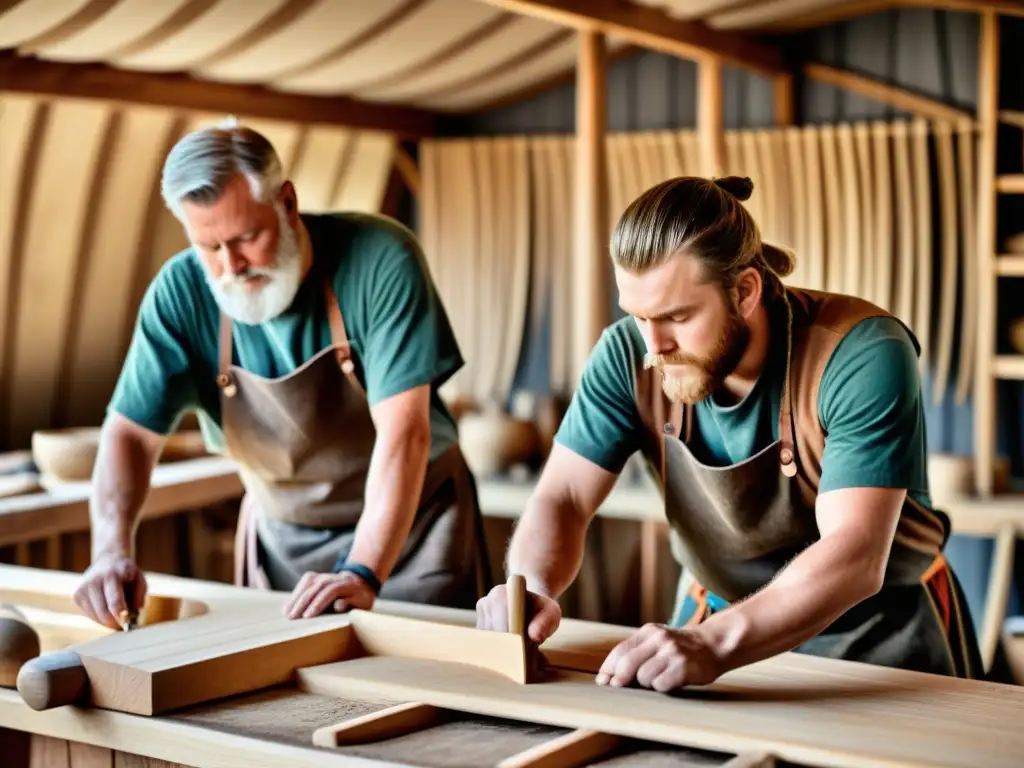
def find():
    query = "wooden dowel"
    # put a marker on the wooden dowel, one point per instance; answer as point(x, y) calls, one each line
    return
point(579, 747)
point(387, 723)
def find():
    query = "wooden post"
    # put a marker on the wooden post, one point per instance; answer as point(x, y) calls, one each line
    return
point(709, 116)
point(591, 272)
point(784, 108)
point(985, 349)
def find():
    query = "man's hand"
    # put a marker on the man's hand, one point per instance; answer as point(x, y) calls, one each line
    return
point(543, 614)
point(661, 658)
point(100, 594)
point(317, 592)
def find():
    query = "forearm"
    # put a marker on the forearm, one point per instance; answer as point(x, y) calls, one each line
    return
point(548, 544)
point(394, 484)
point(120, 482)
point(818, 586)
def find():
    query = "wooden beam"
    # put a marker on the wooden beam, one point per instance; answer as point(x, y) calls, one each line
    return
point(784, 107)
point(837, 12)
point(710, 125)
point(653, 29)
point(921, 106)
point(590, 270)
point(409, 171)
point(98, 81)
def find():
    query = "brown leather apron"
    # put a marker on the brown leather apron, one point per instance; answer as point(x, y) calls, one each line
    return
point(303, 443)
point(734, 527)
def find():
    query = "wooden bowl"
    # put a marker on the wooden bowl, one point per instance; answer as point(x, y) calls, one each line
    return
point(493, 441)
point(66, 455)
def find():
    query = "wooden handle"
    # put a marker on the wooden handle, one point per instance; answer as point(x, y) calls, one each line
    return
point(19, 643)
point(516, 590)
point(53, 680)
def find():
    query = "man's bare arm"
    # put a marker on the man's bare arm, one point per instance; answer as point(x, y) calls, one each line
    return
point(120, 482)
point(548, 543)
point(844, 567)
point(394, 480)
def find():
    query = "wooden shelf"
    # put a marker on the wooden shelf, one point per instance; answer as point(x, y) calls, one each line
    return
point(1011, 183)
point(1010, 265)
point(1008, 367)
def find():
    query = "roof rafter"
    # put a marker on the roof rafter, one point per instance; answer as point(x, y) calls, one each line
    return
point(653, 29)
point(98, 81)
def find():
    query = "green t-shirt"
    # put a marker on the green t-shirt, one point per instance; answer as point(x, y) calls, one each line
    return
point(869, 403)
point(394, 319)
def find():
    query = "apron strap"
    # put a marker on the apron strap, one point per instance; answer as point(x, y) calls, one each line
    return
point(342, 348)
point(787, 451)
point(224, 342)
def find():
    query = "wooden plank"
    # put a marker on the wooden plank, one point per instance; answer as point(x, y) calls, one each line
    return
point(174, 487)
point(576, 748)
point(98, 81)
point(803, 709)
point(918, 105)
point(653, 29)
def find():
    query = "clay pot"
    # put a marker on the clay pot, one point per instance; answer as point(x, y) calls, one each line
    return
point(492, 441)
point(66, 455)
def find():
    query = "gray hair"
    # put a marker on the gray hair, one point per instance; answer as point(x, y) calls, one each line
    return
point(200, 165)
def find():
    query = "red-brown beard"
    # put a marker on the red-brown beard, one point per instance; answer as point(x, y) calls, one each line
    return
point(688, 379)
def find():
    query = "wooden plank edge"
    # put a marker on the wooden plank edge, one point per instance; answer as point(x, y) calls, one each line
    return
point(388, 723)
point(162, 738)
point(576, 748)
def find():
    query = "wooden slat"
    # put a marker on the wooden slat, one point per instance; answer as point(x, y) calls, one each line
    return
point(900, 98)
point(95, 81)
point(653, 29)
point(1013, 184)
point(1008, 367)
point(576, 748)
point(388, 723)
point(1010, 265)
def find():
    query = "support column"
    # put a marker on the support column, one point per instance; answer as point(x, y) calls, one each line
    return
point(710, 126)
point(591, 271)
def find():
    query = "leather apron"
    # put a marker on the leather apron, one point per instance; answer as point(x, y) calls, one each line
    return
point(735, 527)
point(303, 443)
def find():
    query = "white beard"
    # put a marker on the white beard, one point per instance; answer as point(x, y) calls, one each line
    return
point(255, 306)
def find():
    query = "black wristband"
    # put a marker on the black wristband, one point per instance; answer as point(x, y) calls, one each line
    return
point(361, 571)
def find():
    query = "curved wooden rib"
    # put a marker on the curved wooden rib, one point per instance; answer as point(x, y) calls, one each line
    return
point(515, 283)
point(616, 179)
point(773, 189)
point(82, 19)
point(516, 35)
point(836, 224)
point(429, 204)
point(106, 285)
point(423, 32)
point(733, 161)
point(948, 288)
point(882, 251)
point(752, 168)
point(923, 205)
point(21, 134)
point(316, 173)
point(450, 188)
point(29, 19)
point(904, 307)
point(486, 312)
point(671, 154)
point(561, 163)
point(849, 279)
point(540, 195)
point(816, 205)
point(865, 259)
point(214, 31)
point(799, 207)
point(122, 25)
point(968, 242)
point(74, 137)
point(366, 172)
point(302, 46)
point(688, 144)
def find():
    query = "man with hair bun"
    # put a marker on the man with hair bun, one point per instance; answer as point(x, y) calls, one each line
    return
point(312, 348)
point(786, 430)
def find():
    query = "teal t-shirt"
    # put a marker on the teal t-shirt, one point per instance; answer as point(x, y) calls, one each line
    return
point(394, 319)
point(869, 403)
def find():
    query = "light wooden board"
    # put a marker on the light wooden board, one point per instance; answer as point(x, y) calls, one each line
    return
point(802, 709)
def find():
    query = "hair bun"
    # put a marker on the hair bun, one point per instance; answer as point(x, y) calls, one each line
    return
point(739, 187)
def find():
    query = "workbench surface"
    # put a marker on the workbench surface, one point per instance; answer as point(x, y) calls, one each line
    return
point(883, 717)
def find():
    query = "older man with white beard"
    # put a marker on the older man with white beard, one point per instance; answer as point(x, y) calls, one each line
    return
point(312, 348)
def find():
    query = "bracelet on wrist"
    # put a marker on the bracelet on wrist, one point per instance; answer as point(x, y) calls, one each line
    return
point(360, 570)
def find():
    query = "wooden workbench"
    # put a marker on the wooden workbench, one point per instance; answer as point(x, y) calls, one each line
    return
point(818, 712)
